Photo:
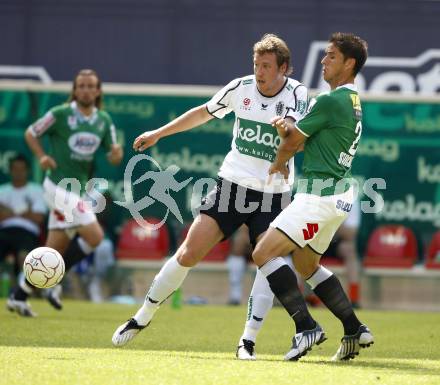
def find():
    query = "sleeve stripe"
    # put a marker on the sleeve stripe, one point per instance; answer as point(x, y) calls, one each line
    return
point(301, 131)
point(294, 94)
point(42, 125)
point(29, 129)
point(287, 115)
point(113, 134)
point(212, 113)
point(224, 95)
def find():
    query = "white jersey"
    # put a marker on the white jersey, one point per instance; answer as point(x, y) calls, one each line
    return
point(20, 200)
point(255, 141)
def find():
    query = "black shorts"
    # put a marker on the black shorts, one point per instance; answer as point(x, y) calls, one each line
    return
point(231, 206)
point(17, 241)
point(332, 250)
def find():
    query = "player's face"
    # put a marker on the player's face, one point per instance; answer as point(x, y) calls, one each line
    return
point(269, 76)
point(86, 90)
point(333, 64)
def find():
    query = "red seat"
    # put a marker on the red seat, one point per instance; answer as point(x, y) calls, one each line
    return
point(217, 254)
point(391, 246)
point(433, 255)
point(137, 242)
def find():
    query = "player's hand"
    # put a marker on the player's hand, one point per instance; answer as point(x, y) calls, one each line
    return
point(115, 154)
point(146, 140)
point(278, 168)
point(47, 162)
point(282, 125)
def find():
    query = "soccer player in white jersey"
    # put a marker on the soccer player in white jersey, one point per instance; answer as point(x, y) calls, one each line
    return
point(242, 194)
point(329, 134)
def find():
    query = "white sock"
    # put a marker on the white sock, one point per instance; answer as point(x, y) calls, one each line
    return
point(85, 247)
point(236, 267)
point(259, 304)
point(320, 275)
point(169, 278)
point(272, 265)
point(23, 284)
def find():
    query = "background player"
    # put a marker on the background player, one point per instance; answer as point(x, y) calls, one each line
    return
point(75, 130)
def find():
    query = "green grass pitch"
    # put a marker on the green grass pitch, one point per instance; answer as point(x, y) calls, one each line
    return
point(196, 345)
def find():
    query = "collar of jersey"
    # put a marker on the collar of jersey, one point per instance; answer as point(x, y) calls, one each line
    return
point(350, 86)
point(81, 117)
point(269, 97)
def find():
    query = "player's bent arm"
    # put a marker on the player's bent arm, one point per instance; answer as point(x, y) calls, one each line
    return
point(290, 145)
point(115, 155)
point(284, 131)
point(34, 144)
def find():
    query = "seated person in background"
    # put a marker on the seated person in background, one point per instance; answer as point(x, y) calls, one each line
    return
point(344, 246)
point(240, 254)
point(22, 212)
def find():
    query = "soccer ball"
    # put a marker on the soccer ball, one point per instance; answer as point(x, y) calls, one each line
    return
point(44, 267)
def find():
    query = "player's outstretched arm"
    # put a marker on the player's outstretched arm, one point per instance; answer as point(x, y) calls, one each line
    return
point(190, 119)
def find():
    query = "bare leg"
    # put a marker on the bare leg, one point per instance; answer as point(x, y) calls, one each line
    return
point(203, 235)
point(58, 240)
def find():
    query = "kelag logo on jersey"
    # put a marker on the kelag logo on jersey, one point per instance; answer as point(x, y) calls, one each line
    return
point(419, 74)
point(256, 139)
point(84, 143)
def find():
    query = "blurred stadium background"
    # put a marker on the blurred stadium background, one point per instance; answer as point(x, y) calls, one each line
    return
point(158, 59)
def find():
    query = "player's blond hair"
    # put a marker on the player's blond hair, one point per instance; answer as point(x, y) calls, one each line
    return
point(88, 72)
point(271, 43)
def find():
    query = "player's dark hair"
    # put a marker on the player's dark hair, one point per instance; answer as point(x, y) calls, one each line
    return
point(87, 72)
point(351, 46)
point(19, 158)
point(271, 43)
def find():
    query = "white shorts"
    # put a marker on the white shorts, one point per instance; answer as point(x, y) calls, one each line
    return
point(313, 220)
point(67, 209)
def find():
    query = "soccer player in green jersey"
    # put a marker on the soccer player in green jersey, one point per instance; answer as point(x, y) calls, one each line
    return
point(329, 134)
point(75, 131)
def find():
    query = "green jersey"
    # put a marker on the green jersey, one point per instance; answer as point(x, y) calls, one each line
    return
point(333, 128)
point(74, 140)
